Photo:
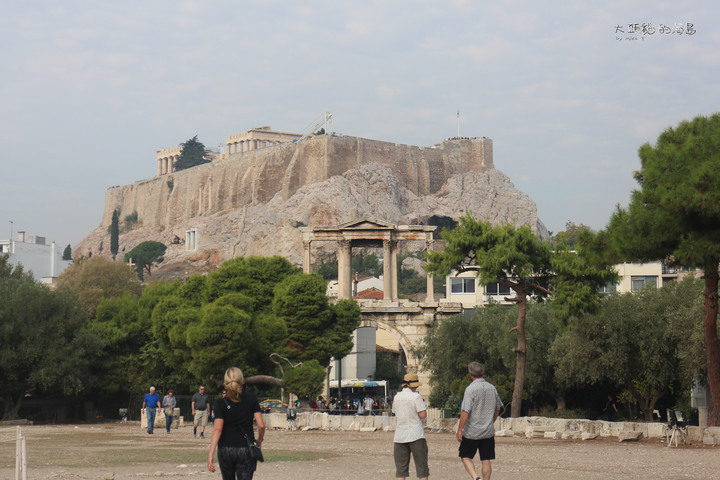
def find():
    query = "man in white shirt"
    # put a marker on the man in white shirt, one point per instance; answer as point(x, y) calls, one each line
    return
point(368, 404)
point(410, 410)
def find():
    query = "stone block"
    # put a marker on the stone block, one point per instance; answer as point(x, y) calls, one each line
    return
point(504, 433)
point(553, 435)
point(631, 436)
point(588, 436)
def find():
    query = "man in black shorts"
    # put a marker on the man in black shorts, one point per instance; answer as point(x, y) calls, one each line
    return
point(476, 431)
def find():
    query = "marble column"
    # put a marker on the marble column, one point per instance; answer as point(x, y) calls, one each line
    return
point(387, 270)
point(394, 270)
point(306, 256)
point(344, 269)
point(430, 297)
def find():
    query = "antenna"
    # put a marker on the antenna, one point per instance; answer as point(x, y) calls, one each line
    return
point(458, 120)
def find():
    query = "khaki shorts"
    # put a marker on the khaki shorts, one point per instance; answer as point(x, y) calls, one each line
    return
point(201, 418)
point(419, 450)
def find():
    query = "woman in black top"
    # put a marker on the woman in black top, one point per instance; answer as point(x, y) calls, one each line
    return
point(234, 415)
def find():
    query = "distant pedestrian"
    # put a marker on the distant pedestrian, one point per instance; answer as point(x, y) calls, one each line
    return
point(169, 402)
point(610, 408)
point(151, 402)
point(410, 410)
point(199, 407)
point(368, 404)
point(476, 431)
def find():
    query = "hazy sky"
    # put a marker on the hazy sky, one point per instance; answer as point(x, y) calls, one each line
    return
point(88, 90)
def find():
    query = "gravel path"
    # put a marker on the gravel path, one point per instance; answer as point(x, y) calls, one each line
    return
point(116, 451)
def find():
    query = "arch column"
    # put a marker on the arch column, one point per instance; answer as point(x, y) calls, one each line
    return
point(344, 269)
point(389, 269)
point(306, 256)
point(430, 296)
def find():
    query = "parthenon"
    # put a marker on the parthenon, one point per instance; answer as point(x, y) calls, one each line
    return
point(256, 138)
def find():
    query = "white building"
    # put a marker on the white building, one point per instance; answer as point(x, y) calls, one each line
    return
point(44, 261)
point(464, 287)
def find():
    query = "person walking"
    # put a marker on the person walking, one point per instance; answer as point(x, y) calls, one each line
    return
point(150, 403)
point(233, 429)
point(199, 411)
point(476, 431)
point(168, 404)
point(410, 410)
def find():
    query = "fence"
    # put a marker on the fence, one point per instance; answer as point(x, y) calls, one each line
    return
point(20, 451)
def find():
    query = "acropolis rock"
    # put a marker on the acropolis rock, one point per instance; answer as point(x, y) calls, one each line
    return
point(253, 202)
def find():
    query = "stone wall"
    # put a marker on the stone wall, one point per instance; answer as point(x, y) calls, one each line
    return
point(530, 427)
point(254, 177)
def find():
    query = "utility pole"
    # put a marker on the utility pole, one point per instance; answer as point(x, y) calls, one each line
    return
point(458, 120)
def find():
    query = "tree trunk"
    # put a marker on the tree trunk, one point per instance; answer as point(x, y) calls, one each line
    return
point(561, 403)
point(712, 345)
point(521, 358)
point(11, 408)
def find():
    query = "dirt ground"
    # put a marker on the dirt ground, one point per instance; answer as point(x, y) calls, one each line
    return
point(124, 451)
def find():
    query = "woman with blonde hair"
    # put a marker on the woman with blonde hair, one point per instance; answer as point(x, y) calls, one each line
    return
point(233, 429)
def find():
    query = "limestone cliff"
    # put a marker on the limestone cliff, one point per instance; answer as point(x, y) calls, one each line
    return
point(254, 203)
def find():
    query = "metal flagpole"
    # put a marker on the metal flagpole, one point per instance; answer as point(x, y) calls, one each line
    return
point(458, 120)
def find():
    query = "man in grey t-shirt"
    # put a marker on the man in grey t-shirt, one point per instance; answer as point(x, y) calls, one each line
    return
point(199, 407)
point(476, 431)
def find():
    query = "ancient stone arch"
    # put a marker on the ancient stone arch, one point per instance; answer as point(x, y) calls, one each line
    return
point(408, 321)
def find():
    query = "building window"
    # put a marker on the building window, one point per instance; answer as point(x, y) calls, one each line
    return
point(496, 288)
point(609, 288)
point(638, 283)
point(462, 285)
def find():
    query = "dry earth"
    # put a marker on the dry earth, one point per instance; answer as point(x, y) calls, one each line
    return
point(124, 451)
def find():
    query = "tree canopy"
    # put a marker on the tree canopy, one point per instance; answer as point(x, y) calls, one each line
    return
point(96, 278)
point(45, 345)
point(636, 343)
point(193, 153)
point(237, 315)
point(512, 256)
point(145, 255)
point(675, 215)
point(114, 233)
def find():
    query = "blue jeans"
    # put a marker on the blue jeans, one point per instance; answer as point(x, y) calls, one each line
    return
point(168, 422)
point(150, 415)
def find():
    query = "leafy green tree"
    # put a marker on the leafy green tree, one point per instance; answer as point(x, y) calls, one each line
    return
point(569, 236)
point(125, 332)
point(675, 214)
point(94, 279)
point(316, 329)
point(631, 343)
point(114, 234)
point(67, 253)
point(306, 380)
point(145, 255)
point(255, 277)
point(193, 153)
point(514, 257)
point(45, 345)
point(450, 346)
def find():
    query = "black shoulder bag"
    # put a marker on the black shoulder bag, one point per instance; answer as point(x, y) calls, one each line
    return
point(253, 447)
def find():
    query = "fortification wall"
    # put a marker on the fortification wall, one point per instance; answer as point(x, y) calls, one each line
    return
point(250, 178)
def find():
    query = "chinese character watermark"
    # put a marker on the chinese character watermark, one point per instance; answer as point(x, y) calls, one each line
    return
point(638, 31)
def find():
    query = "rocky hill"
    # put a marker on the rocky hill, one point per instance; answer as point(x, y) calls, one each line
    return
point(257, 223)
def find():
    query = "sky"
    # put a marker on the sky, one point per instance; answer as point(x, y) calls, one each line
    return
point(567, 90)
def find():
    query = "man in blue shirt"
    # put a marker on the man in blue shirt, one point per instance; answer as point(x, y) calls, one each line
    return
point(150, 404)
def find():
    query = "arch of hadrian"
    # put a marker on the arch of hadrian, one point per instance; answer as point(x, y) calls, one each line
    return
point(252, 139)
point(407, 321)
